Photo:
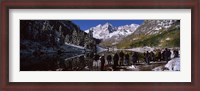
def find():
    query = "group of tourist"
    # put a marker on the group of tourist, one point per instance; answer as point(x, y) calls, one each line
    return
point(124, 59)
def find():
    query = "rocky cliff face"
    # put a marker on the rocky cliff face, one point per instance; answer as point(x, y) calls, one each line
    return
point(52, 35)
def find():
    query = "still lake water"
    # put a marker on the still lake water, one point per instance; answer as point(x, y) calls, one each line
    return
point(57, 62)
point(72, 62)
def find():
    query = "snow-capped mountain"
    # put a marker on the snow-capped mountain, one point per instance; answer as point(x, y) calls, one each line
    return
point(107, 31)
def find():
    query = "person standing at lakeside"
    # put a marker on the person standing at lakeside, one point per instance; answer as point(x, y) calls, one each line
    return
point(109, 59)
point(115, 59)
point(127, 59)
point(121, 54)
point(102, 62)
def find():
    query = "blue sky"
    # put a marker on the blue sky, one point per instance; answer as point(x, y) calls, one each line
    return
point(86, 24)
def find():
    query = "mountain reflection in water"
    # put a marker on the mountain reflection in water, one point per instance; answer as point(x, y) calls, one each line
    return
point(82, 62)
point(55, 62)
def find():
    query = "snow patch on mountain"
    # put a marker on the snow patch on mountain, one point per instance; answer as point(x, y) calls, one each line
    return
point(154, 26)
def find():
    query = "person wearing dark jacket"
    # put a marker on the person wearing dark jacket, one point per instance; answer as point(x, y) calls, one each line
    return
point(115, 59)
point(144, 56)
point(152, 56)
point(109, 59)
point(127, 59)
point(176, 53)
point(165, 55)
point(168, 54)
point(158, 55)
point(102, 62)
point(121, 54)
point(134, 58)
point(147, 58)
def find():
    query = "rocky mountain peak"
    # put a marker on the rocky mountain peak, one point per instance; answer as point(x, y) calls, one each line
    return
point(107, 30)
point(107, 24)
